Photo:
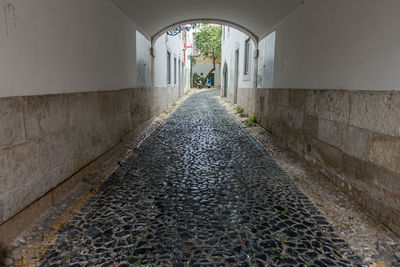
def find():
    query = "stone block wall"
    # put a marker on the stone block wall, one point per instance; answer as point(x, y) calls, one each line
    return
point(353, 137)
point(244, 98)
point(46, 139)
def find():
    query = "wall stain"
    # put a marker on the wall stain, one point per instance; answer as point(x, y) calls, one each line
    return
point(10, 17)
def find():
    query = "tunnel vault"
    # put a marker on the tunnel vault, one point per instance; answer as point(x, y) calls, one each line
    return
point(248, 32)
point(254, 17)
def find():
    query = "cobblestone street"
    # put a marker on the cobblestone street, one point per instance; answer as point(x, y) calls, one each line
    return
point(199, 191)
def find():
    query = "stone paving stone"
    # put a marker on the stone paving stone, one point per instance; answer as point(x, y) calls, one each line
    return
point(199, 191)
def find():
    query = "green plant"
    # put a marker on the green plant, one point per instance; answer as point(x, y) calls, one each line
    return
point(282, 257)
point(143, 236)
point(197, 76)
point(283, 212)
point(103, 221)
point(239, 110)
point(138, 262)
point(251, 121)
point(271, 236)
point(70, 256)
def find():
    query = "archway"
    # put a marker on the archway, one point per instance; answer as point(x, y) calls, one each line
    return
point(225, 86)
point(252, 36)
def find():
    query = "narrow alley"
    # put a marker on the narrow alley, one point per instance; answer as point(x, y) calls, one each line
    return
point(220, 133)
point(199, 190)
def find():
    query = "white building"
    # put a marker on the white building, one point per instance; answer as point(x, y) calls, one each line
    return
point(238, 66)
point(202, 66)
point(171, 69)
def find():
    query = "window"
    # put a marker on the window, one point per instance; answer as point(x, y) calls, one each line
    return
point(179, 72)
point(168, 67)
point(247, 57)
point(174, 70)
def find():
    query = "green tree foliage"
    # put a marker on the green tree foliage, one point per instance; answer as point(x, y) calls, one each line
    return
point(208, 40)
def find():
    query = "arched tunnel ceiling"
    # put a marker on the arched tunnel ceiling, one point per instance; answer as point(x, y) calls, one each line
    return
point(257, 16)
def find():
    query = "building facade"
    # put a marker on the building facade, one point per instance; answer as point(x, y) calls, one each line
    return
point(237, 66)
point(171, 69)
point(202, 66)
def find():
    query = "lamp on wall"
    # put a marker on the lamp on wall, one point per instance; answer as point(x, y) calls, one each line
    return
point(177, 30)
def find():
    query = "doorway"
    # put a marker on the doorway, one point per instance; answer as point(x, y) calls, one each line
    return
point(212, 79)
point(235, 88)
point(225, 92)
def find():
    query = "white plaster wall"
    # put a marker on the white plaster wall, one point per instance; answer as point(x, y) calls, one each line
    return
point(160, 62)
point(143, 59)
point(235, 39)
point(256, 16)
point(340, 44)
point(175, 45)
point(58, 46)
point(204, 68)
point(266, 62)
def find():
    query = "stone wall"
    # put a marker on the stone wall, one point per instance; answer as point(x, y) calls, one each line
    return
point(46, 139)
point(353, 137)
point(243, 98)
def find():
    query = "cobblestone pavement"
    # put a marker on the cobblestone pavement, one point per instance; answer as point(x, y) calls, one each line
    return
point(199, 191)
point(367, 237)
